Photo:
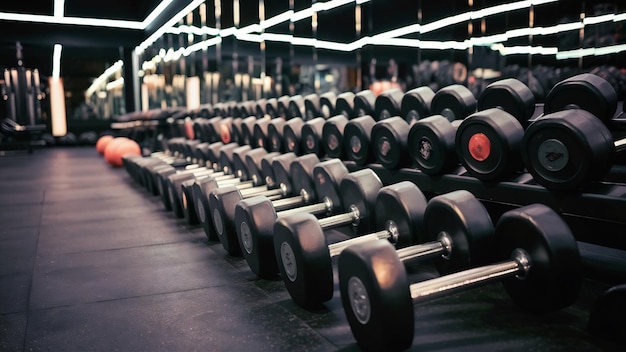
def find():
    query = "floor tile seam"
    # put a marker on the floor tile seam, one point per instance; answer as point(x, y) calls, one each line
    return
point(116, 248)
point(54, 222)
point(30, 284)
point(164, 293)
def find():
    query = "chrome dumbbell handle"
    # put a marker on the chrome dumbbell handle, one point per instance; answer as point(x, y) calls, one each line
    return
point(352, 217)
point(323, 207)
point(518, 265)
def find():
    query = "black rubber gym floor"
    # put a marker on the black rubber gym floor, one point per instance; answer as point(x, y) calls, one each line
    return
point(90, 261)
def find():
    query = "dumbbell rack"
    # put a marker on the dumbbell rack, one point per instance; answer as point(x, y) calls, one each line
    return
point(595, 214)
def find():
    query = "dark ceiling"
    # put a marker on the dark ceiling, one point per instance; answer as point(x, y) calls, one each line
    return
point(87, 50)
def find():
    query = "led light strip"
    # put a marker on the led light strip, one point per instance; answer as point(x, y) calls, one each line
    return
point(59, 18)
point(56, 61)
point(154, 36)
point(245, 32)
point(388, 38)
point(59, 8)
point(104, 77)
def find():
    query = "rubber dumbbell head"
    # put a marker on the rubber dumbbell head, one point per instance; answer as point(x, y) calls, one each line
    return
point(536, 256)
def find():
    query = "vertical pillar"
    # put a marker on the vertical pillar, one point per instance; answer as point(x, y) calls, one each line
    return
point(130, 78)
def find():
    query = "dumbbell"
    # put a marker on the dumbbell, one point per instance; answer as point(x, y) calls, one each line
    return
point(319, 105)
point(296, 107)
point(179, 185)
point(416, 104)
point(400, 209)
point(291, 176)
point(353, 105)
point(388, 104)
point(570, 148)
point(140, 168)
point(257, 214)
point(259, 171)
point(357, 139)
point(283, 106)
point(436, 144)
point(230, 158)
point(390, 137)
point(158, 164)
point(159, 176)
point(304, 255)
point(536, 257)
point(332, 136)
point(174, 186)
point(255, 217)
point(268, 134)
point(292, 135)
point(501, 139)
point(271, 107)
point(311, 137)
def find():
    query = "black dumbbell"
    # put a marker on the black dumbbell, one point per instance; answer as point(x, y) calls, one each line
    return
point(568, 149)
point(584, 91)
point(390, 137)
point(268, 134)
point(246, 129)
point(232, 162)
point(255, 217)
point(436, 144)
point(304, 255)
point(357, 139)
point(180, 185)
point(388, 104)
point(159, 175)
point(222, 201)
point(502, 139)
point(292, 132)
point(175, 189)
point(536, 257)
point(307, 270)
point(353, 105)
point(259, 171)
point(142, 169)
point(283, 106)
point(271, 107)
point(296, 107)
point(416, 104)
point(311, 137)
point(319, 105)
point(332, 136)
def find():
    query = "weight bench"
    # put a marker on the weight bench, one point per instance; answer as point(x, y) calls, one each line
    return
point(14, 136)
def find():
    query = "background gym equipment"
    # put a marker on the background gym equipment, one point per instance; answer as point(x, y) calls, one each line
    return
point(539, 268)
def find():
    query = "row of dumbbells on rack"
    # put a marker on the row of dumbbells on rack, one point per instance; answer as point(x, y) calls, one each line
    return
point(530, 248)
point(276, 206)
point(566, 143)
